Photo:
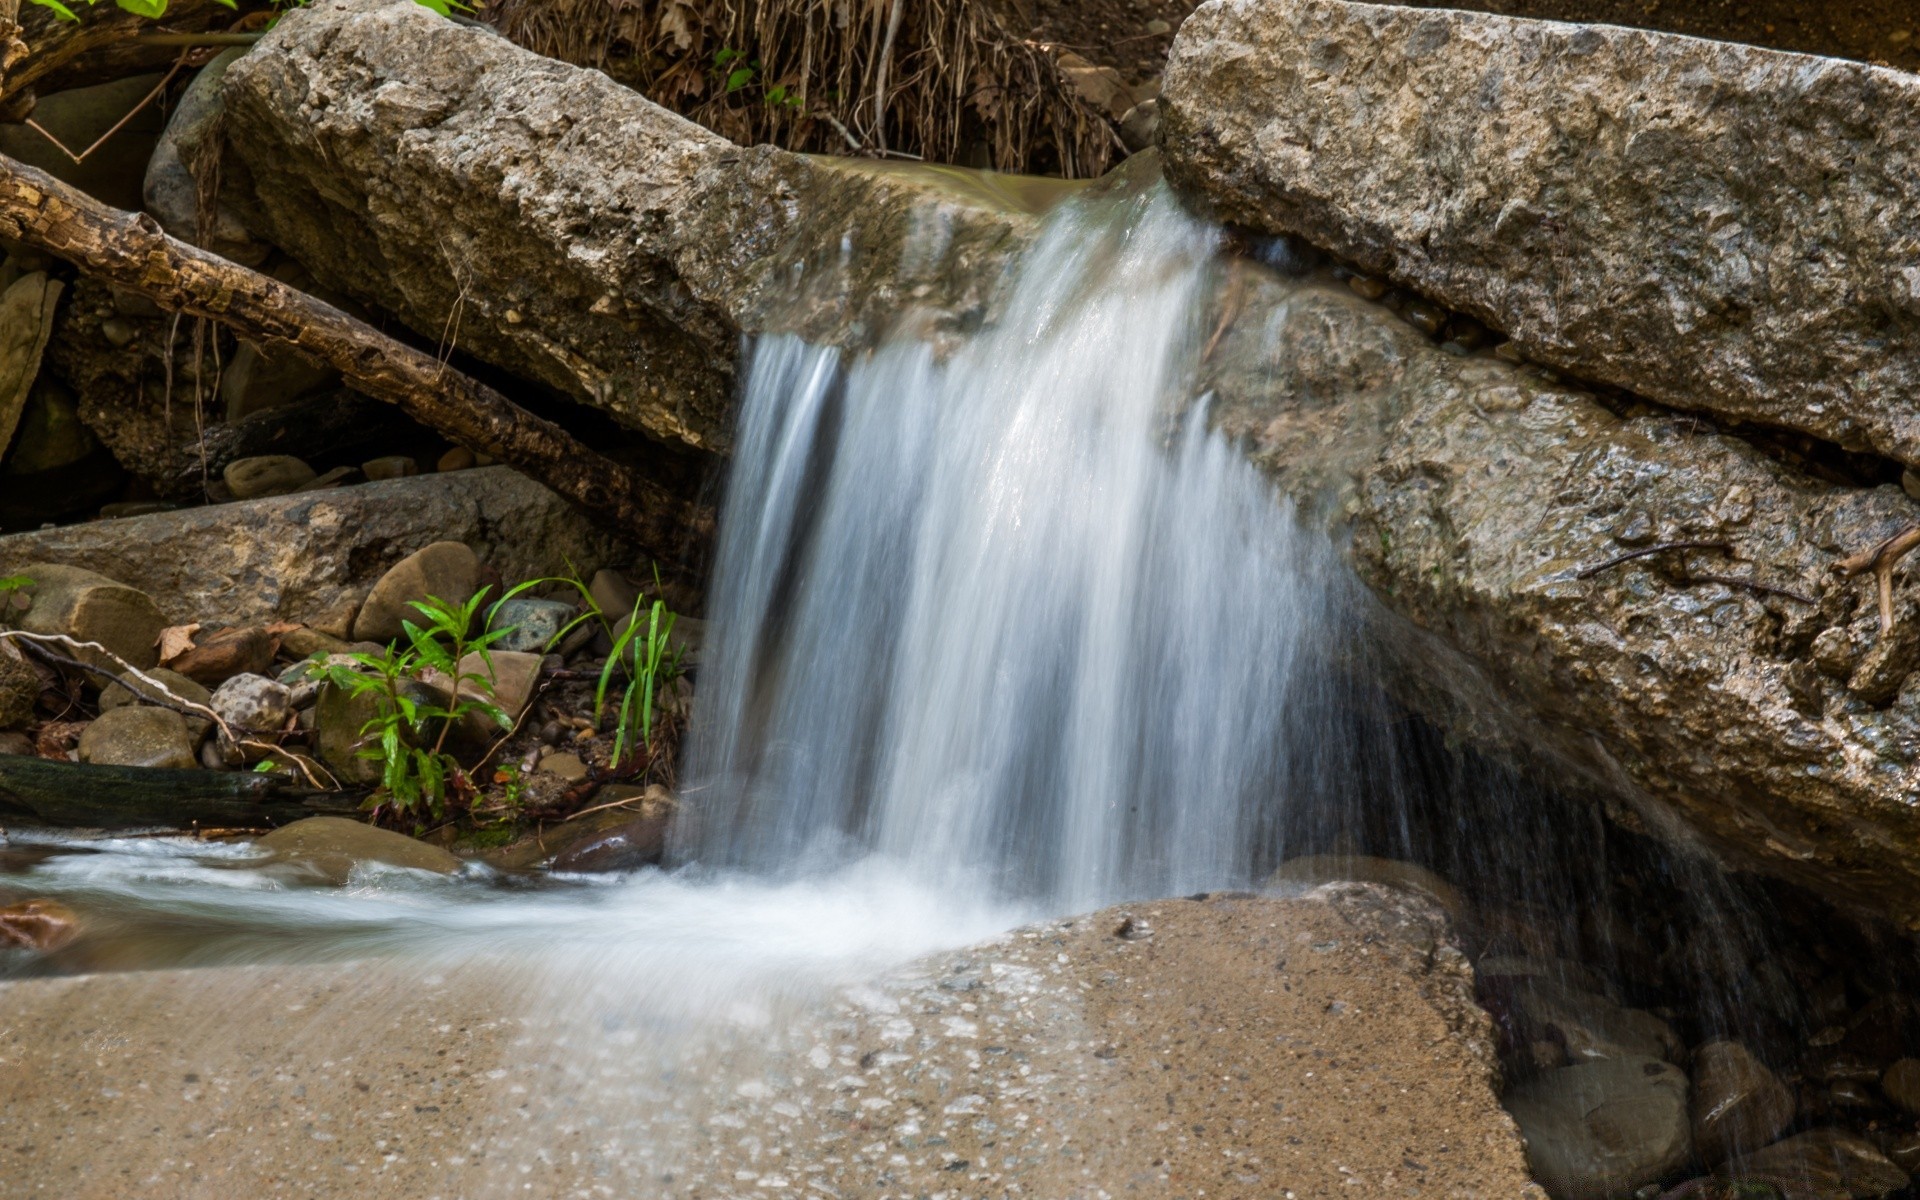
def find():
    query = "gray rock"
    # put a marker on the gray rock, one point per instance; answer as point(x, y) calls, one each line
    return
point(533, 623)
point(447, 571)
point(1716, 226)
point(252, 704)
point(332, 847)
point(1738, 1104)
point(311, 557)
point(1598, 1130)
point(90, 607)
point(135, 691)
point(169, 189)
point(1590, 1026)
point(477, 193)
point(137, 735)
point(26, 322)
point(1824, 1164)
point(565, 765)
point(267, 475)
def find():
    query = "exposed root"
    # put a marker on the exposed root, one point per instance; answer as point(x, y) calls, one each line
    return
point(955, 81)
point(1881, 560)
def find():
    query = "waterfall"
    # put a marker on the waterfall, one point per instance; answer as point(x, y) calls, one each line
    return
point(1006, 617)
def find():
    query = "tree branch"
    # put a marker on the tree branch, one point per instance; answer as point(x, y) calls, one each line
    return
point(132, 252)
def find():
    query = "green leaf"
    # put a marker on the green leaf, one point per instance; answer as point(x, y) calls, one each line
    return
point(738, 78)
point(153, 9)
point(60, 10)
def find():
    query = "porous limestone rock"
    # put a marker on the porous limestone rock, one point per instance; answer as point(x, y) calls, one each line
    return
point(1715, 226)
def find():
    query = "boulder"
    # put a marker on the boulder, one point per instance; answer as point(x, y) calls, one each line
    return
point(446, 571)
point(1738, 1104)
point(252, 704)
point(309, 558)
point(89, 607)
point(137, 735)
point(482, 178)
point(1599, 1130)
point(1588, 1025)
point(1715, 226)
point(26, 322)
point(504, 678)
point(1824, 1164)
point(134, 691)
point(332, 847)
point(1312, 870)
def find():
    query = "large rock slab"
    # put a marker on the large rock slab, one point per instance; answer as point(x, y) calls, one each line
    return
point(1714, 226)
point(561, 226)
point(311, 557)
point(1325, 1045)
point(1483, 504)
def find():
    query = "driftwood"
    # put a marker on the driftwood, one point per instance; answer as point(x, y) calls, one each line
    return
point(92, 796)
point(49, 54)
point(132, 252)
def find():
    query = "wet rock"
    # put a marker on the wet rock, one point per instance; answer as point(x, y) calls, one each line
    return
point(636, 837)
point(310, 557)
point(448, 571)
point(39, 925)
point(90, 607)
point(1824, 1164)
point(257, 709)
point(1312, 870)
point(137, 735)
point(268, 475)
point(171, 191)
point(1588, 1025)
point(1738, 1104)
point(225, 653)
point(27, 308)
point(1598, 1130)
point(533, 623)
point(1140, 126)
point(1901, 1084)
point(19, 687)
point(1455, 152)
point(338, 718)
point(564, 765)
point(332, 847)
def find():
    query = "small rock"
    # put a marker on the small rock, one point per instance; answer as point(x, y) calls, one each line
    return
point(332, 846)
point(1910, 483)
point(42, 925)
point(1590, 1026)
point(305, 642)
point(394, 466)
point(1738, 1104)
point(1823, 1164)
point(1140, 126)
point(136, 735)
point(1599, 1130)
point(1158, 28)
point(566, 766)
point(457, 459)
point(632, 843)
point(446, 570)
point(13, 742)
point(507, 678)
point(338, 718)
point(332, 479)
point(92, 608)
point(1901, 1083)
point(533, 624)
point(1366, 287)
point(252, 705)
point(257, 380)
point(219, 656)
point(266, 475)
point(1429, 318)
point(134, 691)
point(613, 594)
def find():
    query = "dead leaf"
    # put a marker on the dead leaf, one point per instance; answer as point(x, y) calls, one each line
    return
point(176, 640)
point(281, 628)
point(56, 739)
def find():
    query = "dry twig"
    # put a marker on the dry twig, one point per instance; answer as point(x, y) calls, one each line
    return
point(1881, 559)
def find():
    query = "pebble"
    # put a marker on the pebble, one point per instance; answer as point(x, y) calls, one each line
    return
point(1429, 318)
point(89, 607)
point(566, 766)
point(394, 466)
point(1158, 28)
point(1367, 287)
point(266, 475)
point(252, 704)
point(219, 656)
point(457, 459)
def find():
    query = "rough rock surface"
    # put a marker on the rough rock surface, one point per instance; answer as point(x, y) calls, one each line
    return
point(1711, 225)
point(1485, 501)
point(26, 322)
point(1601, 1129)
point(1244, 1046)
point(311, 557)
point(333, 847)
point(570, 230)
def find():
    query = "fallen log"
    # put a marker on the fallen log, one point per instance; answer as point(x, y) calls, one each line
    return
point(131, 251)
point(95, 796)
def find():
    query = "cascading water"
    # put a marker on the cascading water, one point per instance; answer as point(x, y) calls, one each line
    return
point(973, 616)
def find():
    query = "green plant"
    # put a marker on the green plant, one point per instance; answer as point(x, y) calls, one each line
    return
point(417, 778)
point(10, 597)
point(736, 73)
point(650, 665)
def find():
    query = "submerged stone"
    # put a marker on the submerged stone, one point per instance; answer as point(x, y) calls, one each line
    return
point(333, 846)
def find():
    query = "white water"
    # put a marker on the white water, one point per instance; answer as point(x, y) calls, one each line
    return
point(992, 638)
point(976, 616)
